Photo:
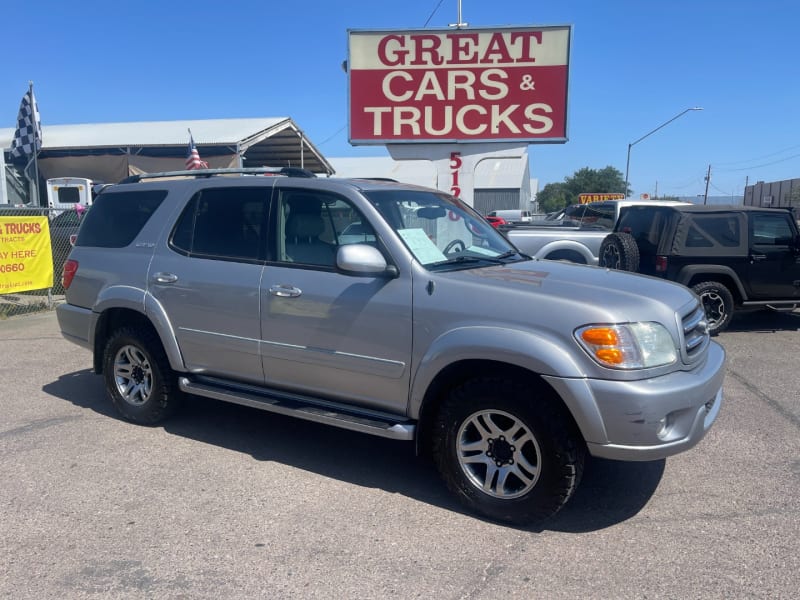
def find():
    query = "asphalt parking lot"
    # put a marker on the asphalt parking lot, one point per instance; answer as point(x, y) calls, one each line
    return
point(229, 502)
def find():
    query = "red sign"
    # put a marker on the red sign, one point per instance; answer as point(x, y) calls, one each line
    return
point(507, 84)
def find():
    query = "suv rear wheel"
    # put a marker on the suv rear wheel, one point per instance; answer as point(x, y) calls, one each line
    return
point(718, 304)
point(619, 251)
point(505, 453)
point(138, 378)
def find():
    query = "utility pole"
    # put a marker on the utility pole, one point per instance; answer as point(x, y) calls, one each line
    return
point(655, 196)
point(708, 180)
point(744, 193)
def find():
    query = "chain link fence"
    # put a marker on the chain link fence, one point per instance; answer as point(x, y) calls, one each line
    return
point(62, 224)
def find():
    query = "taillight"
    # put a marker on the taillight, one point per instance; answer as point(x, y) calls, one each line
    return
point(661, 264)
point(68, 273)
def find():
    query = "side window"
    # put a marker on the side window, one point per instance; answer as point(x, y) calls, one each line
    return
point(223, 223)
point(714, 230)
point(771, 230)
point(696, 239)
point(312, 225)
point(117, 218)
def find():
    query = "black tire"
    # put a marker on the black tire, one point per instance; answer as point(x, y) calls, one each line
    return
point(718, 304)
point(619, 251)
point(477, 449)
point(138, 377)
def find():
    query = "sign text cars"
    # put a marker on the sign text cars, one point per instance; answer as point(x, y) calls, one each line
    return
point(499, 84)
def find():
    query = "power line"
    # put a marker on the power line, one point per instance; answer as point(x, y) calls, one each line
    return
point(433, 13)
point(769, 164)
point(738, 162)
point(328, 139)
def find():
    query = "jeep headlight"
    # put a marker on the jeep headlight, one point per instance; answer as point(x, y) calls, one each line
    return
point(628, 346)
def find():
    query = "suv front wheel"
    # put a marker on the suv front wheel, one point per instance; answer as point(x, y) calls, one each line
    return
point(138, 377)
point(718, 304)
point(506, 452)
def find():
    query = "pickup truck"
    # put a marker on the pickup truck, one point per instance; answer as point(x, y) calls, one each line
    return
point(578, 236)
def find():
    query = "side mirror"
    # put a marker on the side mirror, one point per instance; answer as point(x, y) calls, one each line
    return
point(363, 260)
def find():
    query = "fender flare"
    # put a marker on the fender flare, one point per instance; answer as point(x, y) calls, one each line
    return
point(531, 351)
point(140, 301)
point(686, 274)
point(570, 245)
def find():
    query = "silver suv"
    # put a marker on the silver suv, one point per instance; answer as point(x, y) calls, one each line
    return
point(391, 310)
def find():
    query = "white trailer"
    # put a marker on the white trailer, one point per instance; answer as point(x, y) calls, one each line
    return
point(69, 192)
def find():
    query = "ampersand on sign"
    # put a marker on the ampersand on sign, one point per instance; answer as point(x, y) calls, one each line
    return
point(528, 84)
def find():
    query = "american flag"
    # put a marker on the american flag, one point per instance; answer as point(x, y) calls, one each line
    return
point(193, 156)
point(28, 135)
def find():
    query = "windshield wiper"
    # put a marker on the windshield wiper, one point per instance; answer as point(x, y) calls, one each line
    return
point(508, 254)
point(465, 259)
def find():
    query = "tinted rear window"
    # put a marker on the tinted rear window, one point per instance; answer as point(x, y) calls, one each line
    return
point(646, 224)
point(117, 218)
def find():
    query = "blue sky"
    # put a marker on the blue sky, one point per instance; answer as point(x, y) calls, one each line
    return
point(634, 65)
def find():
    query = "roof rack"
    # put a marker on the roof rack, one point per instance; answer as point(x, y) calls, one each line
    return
point(275, 171)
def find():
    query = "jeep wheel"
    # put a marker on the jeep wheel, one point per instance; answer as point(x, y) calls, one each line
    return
point(718, 304)
point(138, 378)
point(619, 251)
point(506, 453)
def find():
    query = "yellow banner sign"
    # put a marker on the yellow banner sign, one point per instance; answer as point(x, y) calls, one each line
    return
point(587, 198)
point(26, 258)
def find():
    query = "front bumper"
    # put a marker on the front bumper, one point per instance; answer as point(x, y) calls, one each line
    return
point(648, 419)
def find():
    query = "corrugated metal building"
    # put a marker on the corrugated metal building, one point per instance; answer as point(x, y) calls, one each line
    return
point(773, 194)
point(500, 183)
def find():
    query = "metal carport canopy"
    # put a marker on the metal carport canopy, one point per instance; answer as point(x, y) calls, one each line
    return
point(275, 141)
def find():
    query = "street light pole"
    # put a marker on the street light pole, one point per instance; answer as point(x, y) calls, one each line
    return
point(632, 144)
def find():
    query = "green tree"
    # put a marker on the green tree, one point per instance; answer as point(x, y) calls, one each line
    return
point(593, 181)
point(552, 197)
point(555, 196)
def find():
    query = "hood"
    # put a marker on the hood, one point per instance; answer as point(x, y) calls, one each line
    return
point(578, 294)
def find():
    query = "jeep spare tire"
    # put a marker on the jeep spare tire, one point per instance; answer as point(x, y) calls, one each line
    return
point(619, 251)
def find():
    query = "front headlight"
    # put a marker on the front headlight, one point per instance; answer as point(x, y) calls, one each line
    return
point(628, 346)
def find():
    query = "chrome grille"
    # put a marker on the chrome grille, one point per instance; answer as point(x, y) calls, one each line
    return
point(695, 333)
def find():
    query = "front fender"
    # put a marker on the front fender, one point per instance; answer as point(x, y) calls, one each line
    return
point(531, 351)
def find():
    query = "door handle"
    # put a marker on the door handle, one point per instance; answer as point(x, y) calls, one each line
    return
point(285, 291)
point(165, 278)
point(755, 257)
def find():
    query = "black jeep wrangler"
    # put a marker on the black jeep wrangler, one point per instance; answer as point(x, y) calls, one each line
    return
point(733, 257)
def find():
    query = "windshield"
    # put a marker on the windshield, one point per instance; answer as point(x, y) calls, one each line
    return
point(441, 231)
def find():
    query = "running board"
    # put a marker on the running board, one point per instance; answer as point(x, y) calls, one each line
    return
point(773, 304)
point(328, 413)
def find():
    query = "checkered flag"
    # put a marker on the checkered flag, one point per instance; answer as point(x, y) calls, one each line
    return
point(28, 136)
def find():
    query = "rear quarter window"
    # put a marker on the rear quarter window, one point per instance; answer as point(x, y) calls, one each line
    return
point(117, 218)
point(713, 234)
